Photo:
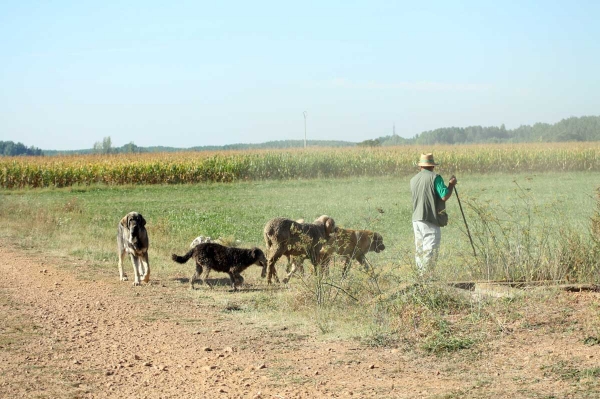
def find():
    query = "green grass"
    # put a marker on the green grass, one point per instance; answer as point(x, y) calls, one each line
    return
point(373, 307)
point(568, 371)
point(82, 222)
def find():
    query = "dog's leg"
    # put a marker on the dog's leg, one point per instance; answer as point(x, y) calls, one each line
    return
point(289, 264)
point(363, 261)
point(140, 268)
point(294, 266)
point(300, 265)
point(346, 268)
point(122, 275)
point(146, 267)
point(315, 259)
point(271, 268)
point(232, 276)
point(265, 267)
point(196, 274)
point(136, 269)
point(239, 279)
point(204, 276)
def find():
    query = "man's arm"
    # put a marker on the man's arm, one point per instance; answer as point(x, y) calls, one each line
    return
point(451, 183)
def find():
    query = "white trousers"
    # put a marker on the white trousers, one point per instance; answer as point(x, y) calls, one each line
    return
point(427, 242)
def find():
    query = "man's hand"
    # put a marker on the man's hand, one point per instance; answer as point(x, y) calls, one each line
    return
point(452, 181)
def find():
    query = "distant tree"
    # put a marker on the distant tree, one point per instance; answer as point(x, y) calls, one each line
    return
point(394, 139)
point(9, 148)
point(130, 148)
point(369, 143)
point(98, 147)
point(104, 147)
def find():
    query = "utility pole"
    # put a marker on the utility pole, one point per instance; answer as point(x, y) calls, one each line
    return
point(304, 128)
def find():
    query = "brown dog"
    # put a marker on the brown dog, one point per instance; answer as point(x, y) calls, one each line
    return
point(132, 238)
point(285, 237)
point(352, 244)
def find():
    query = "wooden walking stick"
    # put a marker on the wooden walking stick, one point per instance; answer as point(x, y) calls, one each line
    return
point(465, 219)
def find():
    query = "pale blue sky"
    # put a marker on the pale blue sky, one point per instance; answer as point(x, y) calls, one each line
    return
point(197, 73)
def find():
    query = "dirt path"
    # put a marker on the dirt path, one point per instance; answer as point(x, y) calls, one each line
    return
point(66, 337)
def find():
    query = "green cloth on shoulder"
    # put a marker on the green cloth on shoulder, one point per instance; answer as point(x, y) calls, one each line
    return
point(440, 187)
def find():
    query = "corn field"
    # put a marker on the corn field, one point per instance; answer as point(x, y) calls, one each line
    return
point(231, 166)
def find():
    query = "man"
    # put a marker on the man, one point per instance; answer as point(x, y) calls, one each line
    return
point(429, 196)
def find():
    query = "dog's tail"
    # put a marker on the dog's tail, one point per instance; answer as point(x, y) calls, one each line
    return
point(184, 258)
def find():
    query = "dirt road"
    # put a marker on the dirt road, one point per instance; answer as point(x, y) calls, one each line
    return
point(64, 336)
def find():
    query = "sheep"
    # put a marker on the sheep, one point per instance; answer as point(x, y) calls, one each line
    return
point(285, 237)
point(227, 241)
point(200, 240)
point(233, 261)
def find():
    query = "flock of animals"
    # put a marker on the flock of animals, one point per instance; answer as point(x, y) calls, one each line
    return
point(318, 241)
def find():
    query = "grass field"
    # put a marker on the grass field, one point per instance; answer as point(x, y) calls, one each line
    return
point(176, 214)
point(525, 226)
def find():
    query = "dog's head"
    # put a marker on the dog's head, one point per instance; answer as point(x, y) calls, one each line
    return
point(377, 243)
point(260, 259)
point(328, 223)
point(135, 223)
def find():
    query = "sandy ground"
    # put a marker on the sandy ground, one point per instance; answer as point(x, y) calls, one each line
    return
point(64, 336)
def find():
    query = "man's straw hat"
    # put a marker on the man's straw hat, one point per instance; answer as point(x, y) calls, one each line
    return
point(427, 160)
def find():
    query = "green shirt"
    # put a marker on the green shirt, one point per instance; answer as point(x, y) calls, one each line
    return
point(440, 187)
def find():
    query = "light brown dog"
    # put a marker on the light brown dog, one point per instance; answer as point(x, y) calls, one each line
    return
point(286, 237)
point(132, 239)
point(352, 244)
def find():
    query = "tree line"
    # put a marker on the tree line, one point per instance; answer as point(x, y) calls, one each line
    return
point(105, 147)
point(585, 128)
point(10, 148)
